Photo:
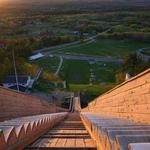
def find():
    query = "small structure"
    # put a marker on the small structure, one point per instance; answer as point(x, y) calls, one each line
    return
point(36, 56)
point(85, 34)
point(144, 54)
point(127, 77)
point(92, 61)
point(24, 82)
point(76, 32)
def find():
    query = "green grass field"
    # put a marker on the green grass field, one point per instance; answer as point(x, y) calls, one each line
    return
point(75, 71)
point(90, 92)
point(48, 64)
point(79, 72)
point(94, 89)
point(107, 47)
point(105, 72)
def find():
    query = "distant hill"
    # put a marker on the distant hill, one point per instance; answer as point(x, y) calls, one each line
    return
point(82, 5)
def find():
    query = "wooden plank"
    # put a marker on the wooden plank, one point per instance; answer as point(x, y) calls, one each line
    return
point(41, 143)
point(60, 143)
point(53, 142)
point(49, 141)
point(89, 143)
point(79, 143)
point(55, 131)
point(70, 142)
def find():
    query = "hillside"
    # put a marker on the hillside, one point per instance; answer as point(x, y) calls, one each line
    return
point(104, 37)
point(80, 5)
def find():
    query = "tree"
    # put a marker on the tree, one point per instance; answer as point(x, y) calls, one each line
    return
point(120, 77)
point(5, 64)
point(132, 65)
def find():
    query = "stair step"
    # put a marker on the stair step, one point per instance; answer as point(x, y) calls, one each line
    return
point(60, 148)
point(70, 129)
point(68, 135)
point(71, 126)
point(65, 136)
point(63, 143)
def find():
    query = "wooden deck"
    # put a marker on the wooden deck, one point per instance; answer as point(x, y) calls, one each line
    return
point(69, 134)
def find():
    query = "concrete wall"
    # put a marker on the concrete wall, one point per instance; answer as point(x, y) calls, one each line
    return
point(16, 104)
point(145, 58)
point(129, 100)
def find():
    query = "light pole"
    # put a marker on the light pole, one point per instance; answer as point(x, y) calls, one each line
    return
point(15, 69)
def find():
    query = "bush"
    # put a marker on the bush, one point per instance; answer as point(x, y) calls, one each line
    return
point(138, 36)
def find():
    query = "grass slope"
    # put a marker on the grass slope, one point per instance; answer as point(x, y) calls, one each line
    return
point(107, 47)
point(48, 64)
point(75, 71)
point(79, 72)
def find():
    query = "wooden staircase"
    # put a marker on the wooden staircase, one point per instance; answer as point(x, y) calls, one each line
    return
point(69, 134)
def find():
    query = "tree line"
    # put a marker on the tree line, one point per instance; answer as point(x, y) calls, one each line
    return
point(22, 49)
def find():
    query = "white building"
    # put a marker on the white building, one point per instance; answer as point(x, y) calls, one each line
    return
point(36, 56)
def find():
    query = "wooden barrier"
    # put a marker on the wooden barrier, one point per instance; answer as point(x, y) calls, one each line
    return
point(112, 133)
point(130, 100)
point(16, 104)
point(139, 146)
point(16, 134)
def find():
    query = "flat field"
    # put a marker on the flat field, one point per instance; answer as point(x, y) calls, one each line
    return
point(107, 47)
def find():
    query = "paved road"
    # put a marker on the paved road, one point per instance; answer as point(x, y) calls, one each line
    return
point(60, 65)
point(87, 58)
point(58, 47)
point(52, 50)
